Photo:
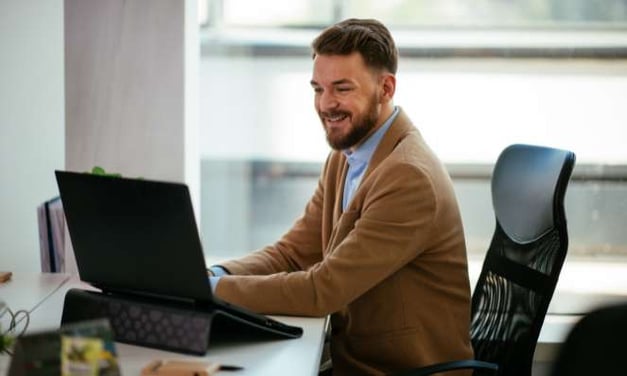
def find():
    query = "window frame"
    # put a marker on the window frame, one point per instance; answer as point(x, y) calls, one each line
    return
point(597, 41)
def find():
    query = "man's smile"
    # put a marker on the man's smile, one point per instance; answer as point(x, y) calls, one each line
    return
point(335, 119)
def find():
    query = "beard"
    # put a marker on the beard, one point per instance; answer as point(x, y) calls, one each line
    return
point(359, 127)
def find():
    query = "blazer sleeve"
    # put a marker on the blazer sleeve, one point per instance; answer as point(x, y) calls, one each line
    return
point(387, 232)
point(297, 250)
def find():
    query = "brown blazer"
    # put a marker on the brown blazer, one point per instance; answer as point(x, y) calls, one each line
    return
point(391, 270)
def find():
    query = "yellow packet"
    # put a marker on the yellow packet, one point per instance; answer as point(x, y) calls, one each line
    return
point(80, 356)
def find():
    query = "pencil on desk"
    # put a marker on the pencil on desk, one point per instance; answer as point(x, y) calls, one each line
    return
point(184, 368)
point(225, 367)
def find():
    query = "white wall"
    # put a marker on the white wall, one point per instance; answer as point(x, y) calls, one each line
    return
point(33, 110)
point(131, 88)
point(31, 122)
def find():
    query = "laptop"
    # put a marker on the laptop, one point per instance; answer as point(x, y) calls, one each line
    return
point(137, 238)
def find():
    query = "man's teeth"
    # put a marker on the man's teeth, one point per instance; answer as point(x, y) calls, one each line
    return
point(336, 117)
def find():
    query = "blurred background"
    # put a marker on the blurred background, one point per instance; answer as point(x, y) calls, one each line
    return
point(475, 76)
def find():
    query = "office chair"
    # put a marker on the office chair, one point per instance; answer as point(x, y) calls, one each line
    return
point(522, 264)
point(595, 345)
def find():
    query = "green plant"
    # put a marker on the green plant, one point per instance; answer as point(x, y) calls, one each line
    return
point(6, 341)
point(97, 170)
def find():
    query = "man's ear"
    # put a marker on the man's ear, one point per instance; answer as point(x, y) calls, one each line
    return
point(388, 86)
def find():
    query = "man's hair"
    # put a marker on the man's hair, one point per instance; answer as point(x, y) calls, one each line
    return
point(368, 37)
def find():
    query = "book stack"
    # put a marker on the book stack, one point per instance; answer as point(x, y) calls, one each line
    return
point(56, 253)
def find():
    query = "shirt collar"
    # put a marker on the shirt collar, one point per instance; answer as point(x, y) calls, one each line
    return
point(364, 152)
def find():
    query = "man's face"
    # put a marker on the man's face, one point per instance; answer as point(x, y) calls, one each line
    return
point(348, 98)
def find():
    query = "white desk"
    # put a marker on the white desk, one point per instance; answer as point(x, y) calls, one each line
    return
point(28, 290)
point(278, 357)
point(42, 295)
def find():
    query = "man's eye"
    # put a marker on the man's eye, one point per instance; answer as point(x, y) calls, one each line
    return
point(317, 90)
point(344, 89)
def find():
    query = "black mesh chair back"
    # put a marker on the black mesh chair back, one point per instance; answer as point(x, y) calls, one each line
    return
point(595, 345)
point(525, 257)
point(522, 264)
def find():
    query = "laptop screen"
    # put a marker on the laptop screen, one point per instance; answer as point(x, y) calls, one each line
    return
point(134, 235)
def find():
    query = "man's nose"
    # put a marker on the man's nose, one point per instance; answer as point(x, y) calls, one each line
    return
point(327, 101)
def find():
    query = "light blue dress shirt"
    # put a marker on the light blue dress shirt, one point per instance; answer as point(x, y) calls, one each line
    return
point(357, 165)
point(218, 272)
point(359, 159)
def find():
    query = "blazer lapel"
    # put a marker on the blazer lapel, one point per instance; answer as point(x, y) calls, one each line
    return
point(339, 187)
point(397, 131)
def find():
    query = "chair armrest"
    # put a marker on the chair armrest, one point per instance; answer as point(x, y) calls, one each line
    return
point(451, 366)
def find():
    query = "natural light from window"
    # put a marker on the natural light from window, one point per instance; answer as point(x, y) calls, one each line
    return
point(473, 76)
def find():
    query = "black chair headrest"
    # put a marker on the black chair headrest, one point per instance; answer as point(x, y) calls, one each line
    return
point(527, 187)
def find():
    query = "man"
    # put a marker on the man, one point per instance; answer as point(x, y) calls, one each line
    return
point(380, 246)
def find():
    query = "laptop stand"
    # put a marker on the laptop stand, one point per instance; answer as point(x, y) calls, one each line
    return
point(143, 322)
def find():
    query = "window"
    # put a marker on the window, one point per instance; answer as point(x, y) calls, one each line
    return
point(420, 13)
point(493, 13)
point(284, 13)
point(474, 76)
